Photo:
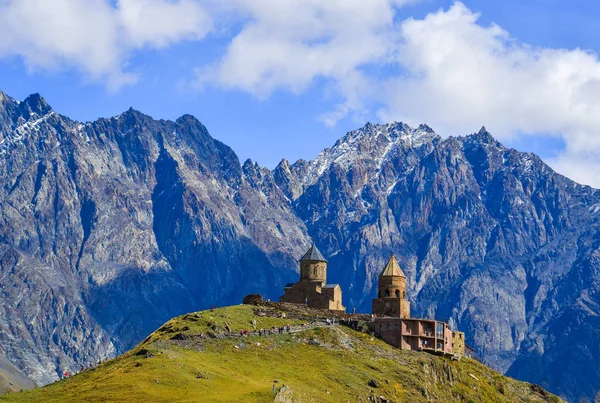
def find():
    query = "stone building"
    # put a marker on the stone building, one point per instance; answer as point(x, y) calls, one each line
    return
point(312, 288)
point(394, 325)
point(391, 292)
point(415, 334)
point(458, 342)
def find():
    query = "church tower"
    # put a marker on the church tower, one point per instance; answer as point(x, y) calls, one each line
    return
point(391, 292)
point(313, 266)
point(312, 288)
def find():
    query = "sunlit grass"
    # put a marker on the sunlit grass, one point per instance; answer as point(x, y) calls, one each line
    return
point(331, 364)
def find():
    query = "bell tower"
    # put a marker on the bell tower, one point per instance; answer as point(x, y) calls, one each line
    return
point(313, 266)
point(391, 292)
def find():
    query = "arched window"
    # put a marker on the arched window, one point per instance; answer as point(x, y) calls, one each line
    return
point(314, 271)
point(397, 293)
point(380, 294)
point(387, 293)
point(388, 327)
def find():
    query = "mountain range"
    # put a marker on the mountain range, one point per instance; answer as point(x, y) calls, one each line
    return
point(110, 228)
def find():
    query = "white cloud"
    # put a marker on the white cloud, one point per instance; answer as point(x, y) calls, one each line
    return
point(93, 35)
point(460, 75)
point(584, 167)
point(161, 23)
point(287, 44)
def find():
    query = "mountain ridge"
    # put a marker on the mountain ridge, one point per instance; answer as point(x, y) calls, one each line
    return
point(106, 218)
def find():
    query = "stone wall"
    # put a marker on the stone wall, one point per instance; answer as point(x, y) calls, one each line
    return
point(314, 295)
point(396, 307)
point(316, 271)
point(334, 295)
point(391, 287)
point(458, 342)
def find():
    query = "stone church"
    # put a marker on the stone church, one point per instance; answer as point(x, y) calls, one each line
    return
point(312, 289)
point(391, 292)
point(392, 321)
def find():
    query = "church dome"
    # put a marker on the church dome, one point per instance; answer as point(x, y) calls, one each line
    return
point(313, 255)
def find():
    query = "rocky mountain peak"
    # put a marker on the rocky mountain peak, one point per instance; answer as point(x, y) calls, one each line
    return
point(423, 127)
point(35, 104)
point(187, 119)
point(485, 137)
point(283, 164)
point(252, 168)
point(373, 142)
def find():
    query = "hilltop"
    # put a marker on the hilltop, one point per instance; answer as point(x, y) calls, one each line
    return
point(201, 357)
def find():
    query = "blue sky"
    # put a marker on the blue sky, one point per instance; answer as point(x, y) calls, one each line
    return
point(267, 107)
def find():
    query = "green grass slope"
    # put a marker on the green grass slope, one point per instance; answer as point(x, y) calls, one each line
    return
point(316, 364)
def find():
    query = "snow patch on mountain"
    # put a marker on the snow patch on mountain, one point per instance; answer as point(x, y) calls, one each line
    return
point(23, 130)
point(373, 142)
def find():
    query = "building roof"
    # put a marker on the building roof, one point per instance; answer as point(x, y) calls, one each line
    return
point(392, 268)
point(313, 254)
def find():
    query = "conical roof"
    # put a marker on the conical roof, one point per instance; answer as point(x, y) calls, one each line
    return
point(313, 254)
point(392, 268)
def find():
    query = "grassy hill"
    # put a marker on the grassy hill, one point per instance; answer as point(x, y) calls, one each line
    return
point(200, 357)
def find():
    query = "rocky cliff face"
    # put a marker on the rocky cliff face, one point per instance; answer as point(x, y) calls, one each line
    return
point(109, 228)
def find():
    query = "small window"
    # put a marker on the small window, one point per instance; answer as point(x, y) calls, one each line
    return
point(397, 293)
point(387, 293)
point(388, 327)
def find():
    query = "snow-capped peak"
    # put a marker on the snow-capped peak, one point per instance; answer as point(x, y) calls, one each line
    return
point(372, 141)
